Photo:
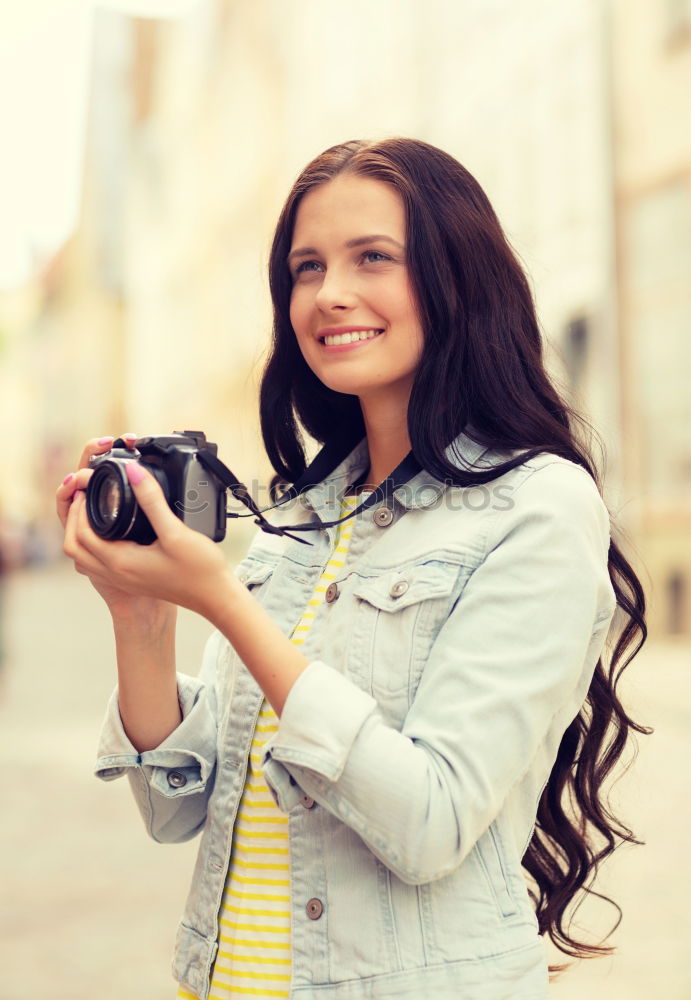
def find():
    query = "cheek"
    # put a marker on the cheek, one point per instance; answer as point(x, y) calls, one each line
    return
point(294, 312)
point(401, 302)
point(409, 319)
point(299, 320)
point(299, 311)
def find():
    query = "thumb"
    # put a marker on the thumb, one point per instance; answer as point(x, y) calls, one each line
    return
point(151, 499)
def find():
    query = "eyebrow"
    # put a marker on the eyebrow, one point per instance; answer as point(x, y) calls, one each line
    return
point(357, 242)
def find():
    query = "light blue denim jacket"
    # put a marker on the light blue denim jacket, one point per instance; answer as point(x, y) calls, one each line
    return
point(413, 750)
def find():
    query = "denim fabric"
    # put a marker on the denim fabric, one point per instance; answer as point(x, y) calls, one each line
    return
point(460, 647)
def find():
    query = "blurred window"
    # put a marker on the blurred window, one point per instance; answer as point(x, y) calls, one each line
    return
point(678, 28)
point(576, 345)
point(676, 600)
point(657, 303)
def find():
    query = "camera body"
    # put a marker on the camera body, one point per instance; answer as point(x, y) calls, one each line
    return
point(192, 492)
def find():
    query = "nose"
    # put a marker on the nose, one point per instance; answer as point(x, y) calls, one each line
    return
point(335, 291)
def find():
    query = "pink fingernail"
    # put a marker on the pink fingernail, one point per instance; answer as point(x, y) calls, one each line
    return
point(105, 440)
point(67, 478)
point(135, 472)
point(130, 437)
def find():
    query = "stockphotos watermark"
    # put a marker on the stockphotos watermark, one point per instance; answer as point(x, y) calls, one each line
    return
point(484, 496)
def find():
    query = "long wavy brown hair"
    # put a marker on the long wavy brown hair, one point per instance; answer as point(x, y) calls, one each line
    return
point(482, 367)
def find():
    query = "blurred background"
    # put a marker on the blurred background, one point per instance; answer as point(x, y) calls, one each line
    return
point(146, 147)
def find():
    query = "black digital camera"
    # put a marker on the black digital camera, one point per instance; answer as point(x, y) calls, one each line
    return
point(193, 493)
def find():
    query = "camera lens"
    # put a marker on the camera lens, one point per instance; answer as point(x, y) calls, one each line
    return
point(112, 507)
point(110, 502)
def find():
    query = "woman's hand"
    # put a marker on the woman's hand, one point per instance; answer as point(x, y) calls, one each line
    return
point(182, 567)
point(123, 606)
point(144, 624)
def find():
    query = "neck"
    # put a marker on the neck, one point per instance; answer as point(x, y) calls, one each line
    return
point(387, 436)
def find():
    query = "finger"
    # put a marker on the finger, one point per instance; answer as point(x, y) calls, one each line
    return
point(152, 501)
point(68, 487)
point(97, 558)
point(103, 554)
point(130, 440)
point(79, 539)
point(96, 446)
point(72, 546)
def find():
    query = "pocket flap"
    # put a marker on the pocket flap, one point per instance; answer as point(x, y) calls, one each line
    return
point(399, 589)
point(252, 573)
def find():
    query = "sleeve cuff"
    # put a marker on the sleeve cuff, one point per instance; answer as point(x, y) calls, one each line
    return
point(321, 718)
point(182, 763)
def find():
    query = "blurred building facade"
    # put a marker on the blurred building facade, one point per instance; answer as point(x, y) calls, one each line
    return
point(573, 119)
point(651, 81)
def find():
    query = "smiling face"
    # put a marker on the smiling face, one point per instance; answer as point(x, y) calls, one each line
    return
point(352, 306)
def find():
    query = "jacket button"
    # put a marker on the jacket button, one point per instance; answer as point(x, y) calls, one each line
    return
point(176, 779)
point(307, 801)
point(399, 588)
point(331, 593)
point(314, 909)
point(383, 517)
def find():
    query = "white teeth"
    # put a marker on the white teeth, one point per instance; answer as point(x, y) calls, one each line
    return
point(333, 340)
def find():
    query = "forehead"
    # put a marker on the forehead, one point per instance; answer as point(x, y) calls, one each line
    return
point(349, 206)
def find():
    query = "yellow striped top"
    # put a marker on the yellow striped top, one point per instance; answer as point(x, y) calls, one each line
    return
point(254, 958)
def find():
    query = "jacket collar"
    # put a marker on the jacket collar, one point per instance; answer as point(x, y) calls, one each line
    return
point(421, 492)
point(424, 490)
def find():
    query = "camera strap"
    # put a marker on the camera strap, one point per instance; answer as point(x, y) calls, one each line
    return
point(329, 458)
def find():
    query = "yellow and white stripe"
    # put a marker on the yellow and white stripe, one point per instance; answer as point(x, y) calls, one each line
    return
point(253, 958)
point(331, 571)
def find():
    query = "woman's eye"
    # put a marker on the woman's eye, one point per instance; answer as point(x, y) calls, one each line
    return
point(307, 265)
point(374, 256)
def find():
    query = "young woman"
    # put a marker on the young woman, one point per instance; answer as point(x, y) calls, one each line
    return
point(396, 747)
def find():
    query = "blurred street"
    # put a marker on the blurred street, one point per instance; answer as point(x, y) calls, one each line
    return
point(89, 905)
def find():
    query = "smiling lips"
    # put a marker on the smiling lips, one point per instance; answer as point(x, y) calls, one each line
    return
point(348, 337)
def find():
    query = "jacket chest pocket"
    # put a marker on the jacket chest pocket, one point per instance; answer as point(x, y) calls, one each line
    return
point(398, 617)
point(253, 573)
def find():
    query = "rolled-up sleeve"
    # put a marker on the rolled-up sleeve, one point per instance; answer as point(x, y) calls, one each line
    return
point(323, 746)
point(506, 675)
point(171, 783)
